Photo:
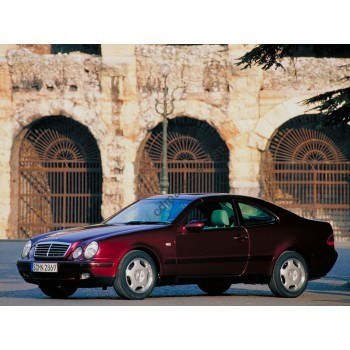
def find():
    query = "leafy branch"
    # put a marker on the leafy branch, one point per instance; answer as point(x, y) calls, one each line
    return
point(267, 56)
point(334, 106)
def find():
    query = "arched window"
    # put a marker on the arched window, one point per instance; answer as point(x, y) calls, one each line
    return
point(60, 177)
point(307, 170)
point(197, 159)
point(305, 139)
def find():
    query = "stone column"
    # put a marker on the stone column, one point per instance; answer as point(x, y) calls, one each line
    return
point(244, 88)
point(5, 149)
point(120, 111)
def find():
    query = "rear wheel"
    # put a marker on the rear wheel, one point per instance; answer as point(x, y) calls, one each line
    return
point(136, 275)
point(57, 291)
point(214, 288)
point(290, 275)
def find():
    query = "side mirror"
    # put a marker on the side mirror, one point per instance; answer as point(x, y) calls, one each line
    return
point(195, 226)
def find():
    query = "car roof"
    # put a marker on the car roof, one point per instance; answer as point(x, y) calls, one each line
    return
point(275, 209)
point(194, 196)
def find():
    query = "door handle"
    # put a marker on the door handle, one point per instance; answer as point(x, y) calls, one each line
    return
point(241, 237)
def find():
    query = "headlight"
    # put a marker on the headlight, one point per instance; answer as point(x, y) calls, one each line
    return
point(26, 249)
point(77, 252)
point(91, 250)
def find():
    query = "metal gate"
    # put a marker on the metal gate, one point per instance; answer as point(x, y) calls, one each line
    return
point(315, 191)
point(197, 160)
point(60, 178)
point(184, 177)
point(307, 171)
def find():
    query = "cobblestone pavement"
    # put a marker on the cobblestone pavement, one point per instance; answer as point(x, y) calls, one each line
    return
point(334, 289)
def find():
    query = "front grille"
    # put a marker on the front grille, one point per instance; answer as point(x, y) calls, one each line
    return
point(51, 250)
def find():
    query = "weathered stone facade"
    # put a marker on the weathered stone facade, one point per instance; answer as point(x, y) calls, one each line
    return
point(103, 93)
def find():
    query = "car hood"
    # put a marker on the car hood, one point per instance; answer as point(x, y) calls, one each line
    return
point(94, 232)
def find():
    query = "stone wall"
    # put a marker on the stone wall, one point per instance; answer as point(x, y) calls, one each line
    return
point(103, 93)
point(64, 84)
point(306, 77)
point(6, 144)
point(307, 74)
point(218, 93)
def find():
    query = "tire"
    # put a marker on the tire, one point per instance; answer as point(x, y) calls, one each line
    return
point(58, 292)
point(290, 275)
point(214, 288)
point(136, 276)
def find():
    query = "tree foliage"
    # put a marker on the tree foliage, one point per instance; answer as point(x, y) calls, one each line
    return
point(333, 106)
point(267, 56)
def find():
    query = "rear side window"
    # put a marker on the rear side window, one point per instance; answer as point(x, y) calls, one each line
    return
point(254, 216)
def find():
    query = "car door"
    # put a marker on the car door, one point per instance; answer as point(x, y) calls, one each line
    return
point(265, 233)
point(220, 248)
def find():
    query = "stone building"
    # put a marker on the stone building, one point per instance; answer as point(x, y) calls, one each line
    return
point(80, 139)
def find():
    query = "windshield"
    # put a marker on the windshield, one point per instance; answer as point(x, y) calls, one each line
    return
point(150, 211)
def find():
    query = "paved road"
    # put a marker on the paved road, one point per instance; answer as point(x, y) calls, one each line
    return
point(189, 325)
point(332, 290)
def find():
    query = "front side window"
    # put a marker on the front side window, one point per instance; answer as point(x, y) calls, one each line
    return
point(214, 214)
point(254, 216)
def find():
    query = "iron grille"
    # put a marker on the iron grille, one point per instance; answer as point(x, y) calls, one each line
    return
point(51, 250)
point(312, 190)
point(307, 171)
point(184, 177)
point(197, 159)
point(60, 178)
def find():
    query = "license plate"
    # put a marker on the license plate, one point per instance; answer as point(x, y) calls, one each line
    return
point(44, 267)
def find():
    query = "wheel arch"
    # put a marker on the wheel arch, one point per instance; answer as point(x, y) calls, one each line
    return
point(151, 253)
point(298, 250)
point(290, 281)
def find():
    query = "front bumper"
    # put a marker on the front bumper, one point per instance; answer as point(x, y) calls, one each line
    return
point(100, 274)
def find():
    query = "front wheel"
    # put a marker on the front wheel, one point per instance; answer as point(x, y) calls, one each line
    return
point(57, 291)
point(214, 288)
point(136, 275)
point(290, 275)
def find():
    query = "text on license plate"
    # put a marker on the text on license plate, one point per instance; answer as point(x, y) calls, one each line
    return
point(44, 267)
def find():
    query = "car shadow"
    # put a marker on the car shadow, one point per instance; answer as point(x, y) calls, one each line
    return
point(159, 292)
point(194, 291)
point(315, 287)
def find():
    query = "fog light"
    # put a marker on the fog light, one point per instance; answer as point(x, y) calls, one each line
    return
point(84, 276)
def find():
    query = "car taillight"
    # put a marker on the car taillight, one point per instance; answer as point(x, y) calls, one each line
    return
point(330, 240)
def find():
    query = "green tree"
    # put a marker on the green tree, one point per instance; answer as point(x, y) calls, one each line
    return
point(333, 106)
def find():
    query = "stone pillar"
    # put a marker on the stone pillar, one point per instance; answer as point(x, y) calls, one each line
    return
point(120, 110)
point(5, 149)
point(244, 88)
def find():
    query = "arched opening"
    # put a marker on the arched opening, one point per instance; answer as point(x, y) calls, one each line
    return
point(59, 177)
point(307, 170)
point(197, 159)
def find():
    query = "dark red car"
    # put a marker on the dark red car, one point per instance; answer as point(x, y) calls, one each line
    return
point(213, 240)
